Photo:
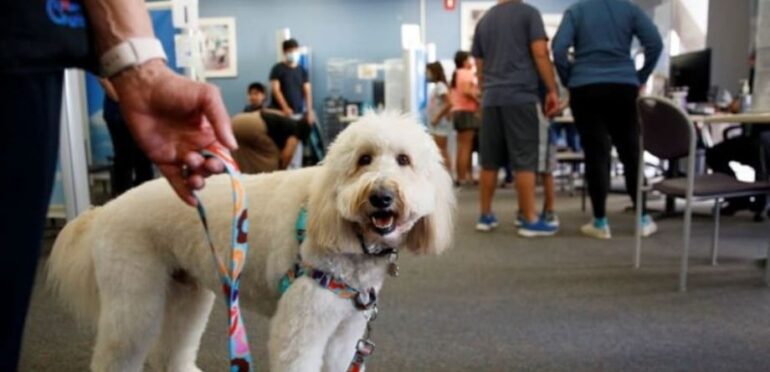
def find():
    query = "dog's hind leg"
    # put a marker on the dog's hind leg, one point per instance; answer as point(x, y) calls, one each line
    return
point(132, 295)
point(342, 345)
point(187, 311)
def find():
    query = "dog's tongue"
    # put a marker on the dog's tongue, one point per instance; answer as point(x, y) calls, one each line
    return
point(382, 222)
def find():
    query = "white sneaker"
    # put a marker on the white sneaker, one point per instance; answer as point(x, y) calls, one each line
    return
point(649, 226)
point(590, 229)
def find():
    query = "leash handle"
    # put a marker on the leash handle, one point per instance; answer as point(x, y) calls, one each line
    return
point(238, 344)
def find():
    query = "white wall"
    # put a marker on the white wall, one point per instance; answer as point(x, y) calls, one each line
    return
point(729, 37)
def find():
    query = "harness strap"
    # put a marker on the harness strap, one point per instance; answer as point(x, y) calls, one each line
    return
point(240, 357)
point(365, 301)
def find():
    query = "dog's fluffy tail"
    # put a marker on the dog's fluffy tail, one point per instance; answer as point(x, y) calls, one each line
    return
point(71, 273)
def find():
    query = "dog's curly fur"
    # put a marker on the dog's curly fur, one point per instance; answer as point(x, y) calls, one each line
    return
point(140, 269)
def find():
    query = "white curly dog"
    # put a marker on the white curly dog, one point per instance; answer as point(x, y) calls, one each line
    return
point(140, 269)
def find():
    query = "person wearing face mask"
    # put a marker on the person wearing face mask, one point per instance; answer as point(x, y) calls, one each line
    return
point(291, 86)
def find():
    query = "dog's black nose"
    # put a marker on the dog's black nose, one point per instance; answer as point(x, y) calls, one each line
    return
point(381, 199)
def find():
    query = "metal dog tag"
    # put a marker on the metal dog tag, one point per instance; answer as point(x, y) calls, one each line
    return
point(392, 265)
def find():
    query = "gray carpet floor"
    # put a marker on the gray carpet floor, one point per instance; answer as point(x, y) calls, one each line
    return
point(497, 302)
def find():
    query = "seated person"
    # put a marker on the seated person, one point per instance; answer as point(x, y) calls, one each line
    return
point(284, 132)
point(256, 153)
point(256, 95)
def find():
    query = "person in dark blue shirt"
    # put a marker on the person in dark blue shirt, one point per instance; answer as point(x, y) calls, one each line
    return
point(604, 85)
point(291, 85)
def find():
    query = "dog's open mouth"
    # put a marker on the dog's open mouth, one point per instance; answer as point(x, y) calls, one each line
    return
point(384, 222)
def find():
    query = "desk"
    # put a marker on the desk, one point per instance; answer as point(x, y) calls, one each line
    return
point(749, 117)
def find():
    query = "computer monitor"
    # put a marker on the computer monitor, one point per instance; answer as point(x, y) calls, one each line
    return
point(692, 70)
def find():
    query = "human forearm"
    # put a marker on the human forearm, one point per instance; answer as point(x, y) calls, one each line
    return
point(651, 41)
point(545, 70)
point(480, 73)
point(114, 21)
point(278, 95)
point(287, 153)
point(308, 93)
point(651, 56)
point(444, 112)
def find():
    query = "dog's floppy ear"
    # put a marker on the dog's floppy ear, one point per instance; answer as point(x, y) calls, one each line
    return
point(433, 233)
point(326, 228)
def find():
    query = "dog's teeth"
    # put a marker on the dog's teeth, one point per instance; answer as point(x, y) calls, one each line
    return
point(382, 222)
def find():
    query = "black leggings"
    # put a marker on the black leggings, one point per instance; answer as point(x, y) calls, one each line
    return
point(29, 135)
point(605, 115)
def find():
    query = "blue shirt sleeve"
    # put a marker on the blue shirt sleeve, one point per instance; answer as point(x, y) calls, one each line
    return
point(649, 37)
point(275, 72)
point(564, 39)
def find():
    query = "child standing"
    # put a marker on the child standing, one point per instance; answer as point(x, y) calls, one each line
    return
point(439, 110)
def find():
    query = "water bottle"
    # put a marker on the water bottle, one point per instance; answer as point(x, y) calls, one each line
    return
point(745, 96)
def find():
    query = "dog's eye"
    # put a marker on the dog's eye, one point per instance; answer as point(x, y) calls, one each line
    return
point(403, 160)
point(365, 159)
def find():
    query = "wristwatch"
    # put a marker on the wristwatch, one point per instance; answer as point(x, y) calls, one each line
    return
point(131, 52)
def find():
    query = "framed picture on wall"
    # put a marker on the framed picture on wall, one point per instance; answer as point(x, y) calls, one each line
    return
point(220, 57)
point(470, 15)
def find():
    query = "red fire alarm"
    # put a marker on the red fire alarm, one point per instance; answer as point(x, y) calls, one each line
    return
point(450, 4)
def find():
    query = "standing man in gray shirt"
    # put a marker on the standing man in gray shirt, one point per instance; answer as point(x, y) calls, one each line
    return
point(511, 49)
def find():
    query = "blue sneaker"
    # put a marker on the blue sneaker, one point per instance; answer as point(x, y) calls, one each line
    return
point(487, 222)
point(537, 228)
point(519, 219)
point(551, 219)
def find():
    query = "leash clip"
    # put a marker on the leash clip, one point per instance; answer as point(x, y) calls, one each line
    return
point(365, 300)
point(365, 348)
point(393, 265)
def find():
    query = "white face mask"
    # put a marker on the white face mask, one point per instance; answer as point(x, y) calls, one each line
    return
point(293, 57)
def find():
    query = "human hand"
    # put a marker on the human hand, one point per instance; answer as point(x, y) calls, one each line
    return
point(551, 104)
point(288, 112)
point(172, 118)
point(310, 117)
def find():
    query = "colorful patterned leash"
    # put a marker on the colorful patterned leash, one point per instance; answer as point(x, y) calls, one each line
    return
point(240, 357)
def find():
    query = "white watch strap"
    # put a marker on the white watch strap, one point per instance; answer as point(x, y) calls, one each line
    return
point(130, 53)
